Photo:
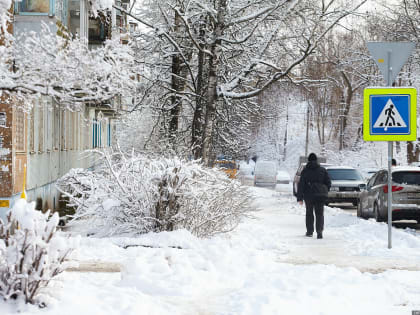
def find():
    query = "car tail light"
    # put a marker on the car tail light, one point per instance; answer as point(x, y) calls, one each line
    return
point(394, 188)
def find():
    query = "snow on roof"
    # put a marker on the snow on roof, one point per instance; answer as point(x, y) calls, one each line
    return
point(405, 169)
point(402, 169)
point(339, 167)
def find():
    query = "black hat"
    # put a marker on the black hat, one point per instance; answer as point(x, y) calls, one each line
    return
point(312, 157)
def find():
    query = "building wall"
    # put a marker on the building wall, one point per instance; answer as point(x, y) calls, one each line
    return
point(48, 141)
point(57, 142)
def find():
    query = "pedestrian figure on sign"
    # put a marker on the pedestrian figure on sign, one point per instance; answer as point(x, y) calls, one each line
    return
point(390, 113)
point(313, 187)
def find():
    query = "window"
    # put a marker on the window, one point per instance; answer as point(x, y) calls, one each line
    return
point(48, 127)
point(32, 131)
point(41, 129)
point(34, 6)
point(20, 131)
point(56, 127)
point(109, 134)
point(381, 178)
point(94, 134)
point(3, 119)
point(63, 130)
point(406, 177)
point(344, 174)
point(372, 180)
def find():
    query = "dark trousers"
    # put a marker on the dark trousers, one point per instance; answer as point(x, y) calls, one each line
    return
point(318, 206)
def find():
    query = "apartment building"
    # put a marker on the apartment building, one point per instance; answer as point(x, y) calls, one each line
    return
point(40, 146)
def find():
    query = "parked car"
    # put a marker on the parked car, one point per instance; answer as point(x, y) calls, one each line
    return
point(405, 195)
point(265, 174)
point(345, 184)
point(296, 179)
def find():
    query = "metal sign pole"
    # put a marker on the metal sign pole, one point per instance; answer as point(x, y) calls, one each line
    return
point(389, 83)
point(389, 194)
point(390, 57)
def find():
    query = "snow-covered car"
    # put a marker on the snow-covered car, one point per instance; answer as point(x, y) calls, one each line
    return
point(345, 184)
point(265, 174)
point(405, 195)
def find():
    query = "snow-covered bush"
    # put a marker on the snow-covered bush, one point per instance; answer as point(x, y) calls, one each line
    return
point(31, 254)
point(134, 194)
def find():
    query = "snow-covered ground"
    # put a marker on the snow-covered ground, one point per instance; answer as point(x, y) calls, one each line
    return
point(265, 266)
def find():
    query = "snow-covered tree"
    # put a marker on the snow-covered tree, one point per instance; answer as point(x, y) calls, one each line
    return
point(212, 58)
point(47, 64)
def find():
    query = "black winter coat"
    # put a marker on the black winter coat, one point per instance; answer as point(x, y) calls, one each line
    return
point(314, 183)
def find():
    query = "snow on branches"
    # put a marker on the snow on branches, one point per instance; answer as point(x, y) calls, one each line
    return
point(31, 254)
point(70, 72)
point(134, 194)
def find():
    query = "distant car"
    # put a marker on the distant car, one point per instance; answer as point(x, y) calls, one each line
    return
point(265, 173)
point(345, 184)
point(246, 174)
point(228, 166)
point(296, 179)
point(282, 177)
point(405, 195)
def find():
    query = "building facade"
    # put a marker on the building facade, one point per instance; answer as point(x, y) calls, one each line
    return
point(40, 146)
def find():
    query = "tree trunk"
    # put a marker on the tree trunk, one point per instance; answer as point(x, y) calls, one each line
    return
point(177, 84)
point(285, 134)
point(197, 123)
point(413, 152)
point(348, 99)
point(209, 123)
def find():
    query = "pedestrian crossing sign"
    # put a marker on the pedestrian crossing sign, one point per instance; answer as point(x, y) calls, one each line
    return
point(390, 114)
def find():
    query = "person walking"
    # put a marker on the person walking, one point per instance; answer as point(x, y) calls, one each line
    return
point(313, 188)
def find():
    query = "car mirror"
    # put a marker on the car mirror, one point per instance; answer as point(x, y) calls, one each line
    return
point(363, 186)
point(252, 173)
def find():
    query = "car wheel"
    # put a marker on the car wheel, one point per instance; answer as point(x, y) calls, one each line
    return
point(376, 213)
point(360, 213)
point(359, 210)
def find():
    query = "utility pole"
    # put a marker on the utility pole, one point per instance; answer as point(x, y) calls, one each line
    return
point(307, 130)
point(342, 108)
point(285, 133)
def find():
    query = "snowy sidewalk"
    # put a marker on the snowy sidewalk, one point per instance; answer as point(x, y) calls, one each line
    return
point(348, 241)
point(265, 267)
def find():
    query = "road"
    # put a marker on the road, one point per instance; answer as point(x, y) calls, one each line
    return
point(348, 207)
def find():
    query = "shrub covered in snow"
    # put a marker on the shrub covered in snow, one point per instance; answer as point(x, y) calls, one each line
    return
point(134, 194)
point(31, 254)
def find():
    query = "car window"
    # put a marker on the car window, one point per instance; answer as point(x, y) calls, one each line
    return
point(372, 180)
point(381, 178)
point(410, 178)
point(344, 174)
